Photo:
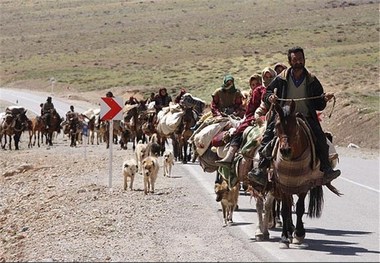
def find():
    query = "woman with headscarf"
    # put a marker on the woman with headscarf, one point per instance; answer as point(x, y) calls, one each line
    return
point(162, 99)
point(267, 75)
point(227, 99)
point(279, 67)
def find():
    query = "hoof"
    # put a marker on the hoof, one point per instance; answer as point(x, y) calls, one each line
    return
point(284, 245)
point(298, 240)
point(262, 237)
point(259, 237)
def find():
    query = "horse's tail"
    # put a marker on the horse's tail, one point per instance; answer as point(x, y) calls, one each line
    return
point(315, 202)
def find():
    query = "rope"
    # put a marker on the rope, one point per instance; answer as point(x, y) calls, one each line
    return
point(312, 98)
point(300, 99)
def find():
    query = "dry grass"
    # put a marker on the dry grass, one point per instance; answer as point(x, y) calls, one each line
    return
point(94, 45)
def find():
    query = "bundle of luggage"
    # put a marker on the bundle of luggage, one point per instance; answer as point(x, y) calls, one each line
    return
point(212, 139)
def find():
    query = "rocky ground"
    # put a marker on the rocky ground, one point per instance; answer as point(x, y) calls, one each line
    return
point(57, 206)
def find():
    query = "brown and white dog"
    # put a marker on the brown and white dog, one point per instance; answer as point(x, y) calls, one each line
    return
point(228, 198)
point(150, 169)
point(168, 162)
point(140, 152)
point(129, 169)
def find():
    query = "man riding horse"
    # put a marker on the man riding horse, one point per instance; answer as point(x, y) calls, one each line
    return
point(296, 83)
point(46, 112)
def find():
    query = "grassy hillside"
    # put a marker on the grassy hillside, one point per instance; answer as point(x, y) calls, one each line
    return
point(139, 46)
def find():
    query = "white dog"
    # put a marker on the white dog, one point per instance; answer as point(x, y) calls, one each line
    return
point(168, 162)
point(150, 168)
point(130, 168)
point(140, 152)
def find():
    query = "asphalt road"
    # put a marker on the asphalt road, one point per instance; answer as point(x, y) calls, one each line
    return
point(348, 230)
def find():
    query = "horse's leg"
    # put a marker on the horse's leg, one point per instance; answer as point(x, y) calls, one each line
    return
point(5, 141)
point(162, 143)
point(51, 138)
point(277, 212)
point(16, 138)
point(39, 136)
point(175, 149)
point(268, 214)
point(259, 235)
point(299, 233)
point(10, 142)
point(34, 138)
point(184, 147)
point(286, 212)
point(72, 139)
point(1, 140)
point(195, 153)
point(179, 149)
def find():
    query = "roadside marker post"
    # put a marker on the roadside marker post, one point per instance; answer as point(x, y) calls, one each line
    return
point(111, 109)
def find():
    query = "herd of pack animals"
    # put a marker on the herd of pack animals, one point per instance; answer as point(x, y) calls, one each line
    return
point(148, 131)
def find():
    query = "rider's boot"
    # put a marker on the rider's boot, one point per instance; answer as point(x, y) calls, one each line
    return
point(329, 173)
point(227, 160)
point(259, 175)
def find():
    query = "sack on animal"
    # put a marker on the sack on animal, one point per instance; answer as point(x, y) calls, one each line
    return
point(202, 140)
point(14, 110)
point(252, 136)
point(169, 122)
point(207, 161)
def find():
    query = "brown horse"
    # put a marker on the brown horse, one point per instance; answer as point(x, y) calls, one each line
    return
point(134, 118)
point(182, 151)
point(54, 125)
point(13, 123)
point(74, 128)
point(295, 172)
point(193, 108)
point(149, 128)
point(38, 131)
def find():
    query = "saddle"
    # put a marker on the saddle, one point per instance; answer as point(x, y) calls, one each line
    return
point(252, 137)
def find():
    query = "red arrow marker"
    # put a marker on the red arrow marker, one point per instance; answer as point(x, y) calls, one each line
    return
point(115, 108)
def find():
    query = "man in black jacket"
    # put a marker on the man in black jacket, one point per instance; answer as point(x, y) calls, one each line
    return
point(294, 83)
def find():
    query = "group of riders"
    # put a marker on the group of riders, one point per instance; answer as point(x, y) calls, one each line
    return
point(276, 85)
point(280, 84)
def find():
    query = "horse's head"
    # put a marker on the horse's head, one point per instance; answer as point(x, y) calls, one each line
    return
point(131, 113)
point(286, 127)
point(142, 106)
